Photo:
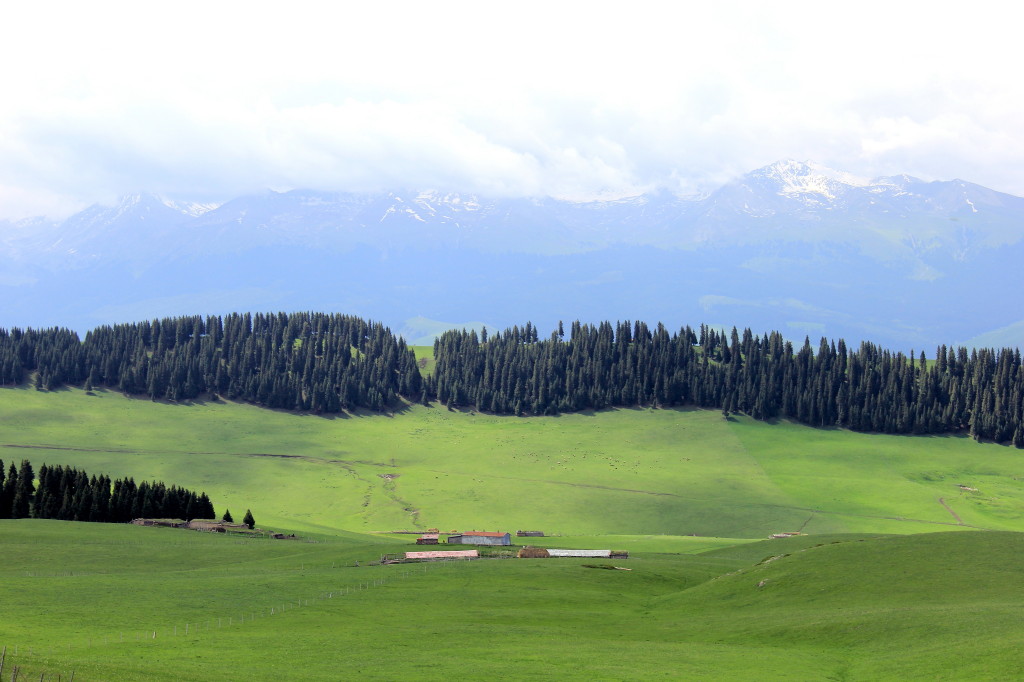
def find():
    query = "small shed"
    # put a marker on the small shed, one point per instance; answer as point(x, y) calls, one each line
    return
point(480, 538)
point(427, 539)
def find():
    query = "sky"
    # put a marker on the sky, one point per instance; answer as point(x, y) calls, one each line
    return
point(578, 100)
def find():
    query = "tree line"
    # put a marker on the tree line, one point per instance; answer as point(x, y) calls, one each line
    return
point(869, 388)
point(325, 363)
point(70, 494)
point(301, 361)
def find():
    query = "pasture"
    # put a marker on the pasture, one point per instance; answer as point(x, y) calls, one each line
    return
point(134, 603)
point(661, 472)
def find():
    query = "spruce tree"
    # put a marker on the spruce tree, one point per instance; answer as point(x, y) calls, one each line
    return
point(24, 491)
point(249, 520)
point(227, 516)
point(6, 490)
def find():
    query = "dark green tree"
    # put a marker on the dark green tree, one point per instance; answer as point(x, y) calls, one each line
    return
point(249, 520)
point(227, 516)
point(24, 491)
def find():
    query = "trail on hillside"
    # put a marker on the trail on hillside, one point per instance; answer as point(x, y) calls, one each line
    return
point(141, 451)
point(959, 521)
point(391, 494)
point(576, 485)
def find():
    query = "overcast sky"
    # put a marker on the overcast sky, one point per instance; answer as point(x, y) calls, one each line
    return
point(209, 100)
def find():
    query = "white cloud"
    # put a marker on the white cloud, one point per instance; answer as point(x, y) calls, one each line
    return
point(570, 99)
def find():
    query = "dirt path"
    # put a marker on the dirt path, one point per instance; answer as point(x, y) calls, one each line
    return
point(576, 485)
point(959, 521)
point(346, 463)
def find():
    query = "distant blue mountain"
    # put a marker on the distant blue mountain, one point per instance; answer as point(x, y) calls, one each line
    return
point(792, 246)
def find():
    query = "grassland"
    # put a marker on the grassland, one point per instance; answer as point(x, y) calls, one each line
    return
point(662, 472)
point(89, 598)
point(874, 591)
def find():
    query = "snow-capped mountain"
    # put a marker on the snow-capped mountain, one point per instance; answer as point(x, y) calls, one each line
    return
point(819, 249)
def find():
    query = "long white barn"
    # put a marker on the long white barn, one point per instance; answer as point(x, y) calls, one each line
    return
point(586, 553)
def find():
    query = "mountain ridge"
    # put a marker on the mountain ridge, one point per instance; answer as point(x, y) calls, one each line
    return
point(793, 246)
point(776, 202)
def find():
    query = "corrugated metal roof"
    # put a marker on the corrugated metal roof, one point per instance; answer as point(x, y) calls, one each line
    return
point(449, 554)
point(594, 553)
point(429, 536)
point(482, 534)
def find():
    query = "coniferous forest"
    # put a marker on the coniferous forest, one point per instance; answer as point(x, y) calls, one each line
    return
point(68, 494)
point(329, 363)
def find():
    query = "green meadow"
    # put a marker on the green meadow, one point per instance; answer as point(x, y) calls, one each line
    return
point(909, 567)
point(133, 603)
point(619, 472)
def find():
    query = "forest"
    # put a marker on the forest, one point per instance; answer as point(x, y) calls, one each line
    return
point(69, 494)
point(329, 363)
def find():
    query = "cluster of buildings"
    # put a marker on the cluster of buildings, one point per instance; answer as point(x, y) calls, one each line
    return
point(472, 537)
point(485, 538)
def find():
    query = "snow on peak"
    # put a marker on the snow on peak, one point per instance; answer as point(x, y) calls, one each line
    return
point(801, 178)
point(450, 200)
point(189, 208)
point(147, 201)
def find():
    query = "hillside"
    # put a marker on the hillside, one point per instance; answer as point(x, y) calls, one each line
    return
point(934, 606)
point(676, 472)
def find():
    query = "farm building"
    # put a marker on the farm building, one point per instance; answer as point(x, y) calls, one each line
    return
point(443, 554)
point(529, 533)
point(427, 539)
point(585, 553)
point(216, 526)
point(169, 523)
point(480, 538)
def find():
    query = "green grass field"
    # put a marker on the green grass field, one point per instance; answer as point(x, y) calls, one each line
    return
point(662, 472)
point(873, 591)
point(89, 598)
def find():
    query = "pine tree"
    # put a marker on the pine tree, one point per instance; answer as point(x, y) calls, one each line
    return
point(23, 493)
point(5, 500)
point(227, 516)
point(249, 520)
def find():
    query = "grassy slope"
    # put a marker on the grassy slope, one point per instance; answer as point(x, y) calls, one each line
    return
point(932, 606)
point(672, 472)
point(885, 608)
point(929, 606)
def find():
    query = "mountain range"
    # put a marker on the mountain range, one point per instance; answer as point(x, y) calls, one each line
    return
point(792, 246)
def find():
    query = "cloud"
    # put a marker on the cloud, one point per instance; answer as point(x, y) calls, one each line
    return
point(571, 99)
